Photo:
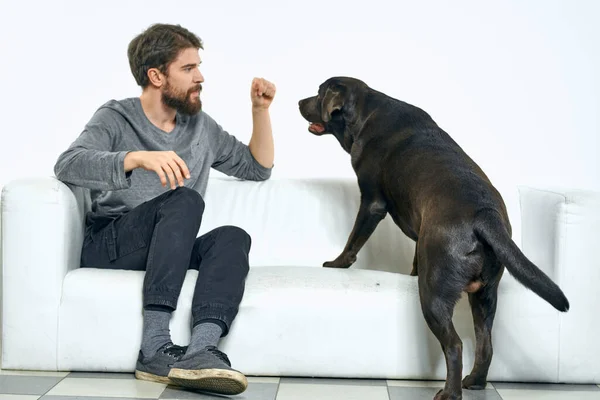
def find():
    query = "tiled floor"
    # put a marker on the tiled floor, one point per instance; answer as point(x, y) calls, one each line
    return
point(97, 386)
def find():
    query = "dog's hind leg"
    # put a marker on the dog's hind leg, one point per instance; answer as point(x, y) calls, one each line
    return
point(438, 311)
point(483, 306)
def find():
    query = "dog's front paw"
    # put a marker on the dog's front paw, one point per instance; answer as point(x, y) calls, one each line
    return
point(334, 264)
point(341, 262)
point(444, 395)
point(472, 382)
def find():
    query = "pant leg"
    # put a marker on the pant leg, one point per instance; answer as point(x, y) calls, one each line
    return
point(157, 236)
point(221, 258)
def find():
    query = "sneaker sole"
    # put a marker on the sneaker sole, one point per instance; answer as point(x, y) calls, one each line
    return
point(145, 376)
point(211, 380)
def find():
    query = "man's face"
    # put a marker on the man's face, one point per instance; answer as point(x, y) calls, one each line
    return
point(183, 84)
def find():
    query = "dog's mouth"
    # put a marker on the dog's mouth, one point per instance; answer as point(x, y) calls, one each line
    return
point(316, 128)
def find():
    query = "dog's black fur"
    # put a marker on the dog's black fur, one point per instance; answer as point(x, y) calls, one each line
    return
point(438, 196)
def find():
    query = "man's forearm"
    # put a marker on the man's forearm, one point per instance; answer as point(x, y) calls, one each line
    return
point(261, 143)
point(94, 169)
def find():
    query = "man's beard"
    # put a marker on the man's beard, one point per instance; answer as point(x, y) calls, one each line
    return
point(181, 101)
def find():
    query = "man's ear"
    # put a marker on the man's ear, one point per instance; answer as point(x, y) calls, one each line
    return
point(332, 101)
point(155, 77)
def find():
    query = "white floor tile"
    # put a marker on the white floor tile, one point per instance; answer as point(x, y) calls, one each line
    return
point(17, 397)
point(262, 379)
point(428, 384)
point(98, 387)
point(423, 384)
point(301, 391)
point(518, 394)
point(33, 373)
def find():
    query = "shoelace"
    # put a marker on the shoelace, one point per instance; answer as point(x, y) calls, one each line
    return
point(174, 351)
point(219, 354)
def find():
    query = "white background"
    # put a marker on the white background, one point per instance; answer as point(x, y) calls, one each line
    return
point(515, 83)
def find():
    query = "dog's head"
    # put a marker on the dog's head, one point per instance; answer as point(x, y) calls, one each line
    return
point(333, 107)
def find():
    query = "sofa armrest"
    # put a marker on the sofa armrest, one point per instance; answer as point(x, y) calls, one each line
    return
point(561, 233)
point(42, 233)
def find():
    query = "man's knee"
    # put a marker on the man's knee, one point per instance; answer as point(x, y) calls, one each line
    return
point(188, 200)
point(236, 235)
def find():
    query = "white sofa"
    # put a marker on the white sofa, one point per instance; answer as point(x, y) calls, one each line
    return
point(297, 318)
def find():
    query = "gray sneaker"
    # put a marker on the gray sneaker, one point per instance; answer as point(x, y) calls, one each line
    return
point(157, 367)
point(208, 370)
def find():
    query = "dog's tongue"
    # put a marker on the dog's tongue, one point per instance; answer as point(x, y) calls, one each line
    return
point(316, 127)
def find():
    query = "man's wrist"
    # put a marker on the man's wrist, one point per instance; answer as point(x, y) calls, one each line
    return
point(259, 110)
point(131, 161)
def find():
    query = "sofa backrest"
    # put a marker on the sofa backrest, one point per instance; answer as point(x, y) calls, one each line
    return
point(302, 222)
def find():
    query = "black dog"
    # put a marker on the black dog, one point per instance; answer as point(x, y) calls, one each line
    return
point(409, 167)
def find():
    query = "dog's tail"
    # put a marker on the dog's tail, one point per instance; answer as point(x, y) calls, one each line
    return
point(491, 229)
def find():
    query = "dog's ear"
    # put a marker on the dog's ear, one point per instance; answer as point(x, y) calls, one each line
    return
point(332, 101)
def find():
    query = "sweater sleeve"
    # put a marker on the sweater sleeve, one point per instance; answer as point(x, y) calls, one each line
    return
point(90, 160)
point(233, 157)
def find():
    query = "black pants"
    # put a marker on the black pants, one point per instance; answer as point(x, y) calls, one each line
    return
point(159, 236)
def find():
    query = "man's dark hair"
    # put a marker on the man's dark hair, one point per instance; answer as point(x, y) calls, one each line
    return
point(157, 47)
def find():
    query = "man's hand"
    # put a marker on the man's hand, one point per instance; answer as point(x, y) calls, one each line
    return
point(164, 163)
point(262, 93)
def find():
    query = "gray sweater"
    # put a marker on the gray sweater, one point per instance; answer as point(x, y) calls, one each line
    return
point(95, 160)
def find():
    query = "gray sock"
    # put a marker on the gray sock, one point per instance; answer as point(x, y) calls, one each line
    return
point(204, 334)
point(156, 331)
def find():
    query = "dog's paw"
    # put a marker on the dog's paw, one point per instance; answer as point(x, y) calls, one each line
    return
point(340, 262)
point(335, 264)
point(473, 383)
point(443, 395)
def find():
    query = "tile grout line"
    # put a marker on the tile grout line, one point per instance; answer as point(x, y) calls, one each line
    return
point(277, 391)
point(53, 386)
point(161, 393)
point(499, 395)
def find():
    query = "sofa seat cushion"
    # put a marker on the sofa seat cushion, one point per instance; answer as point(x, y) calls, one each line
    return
point(305, 321)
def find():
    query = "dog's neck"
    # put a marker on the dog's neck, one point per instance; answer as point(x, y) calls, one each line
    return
point(340, 130)
point(355, 119)
point(346, 140)
point(348, 130)
point(353, 127)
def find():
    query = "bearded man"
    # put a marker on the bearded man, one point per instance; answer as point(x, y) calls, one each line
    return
point(146, 161)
